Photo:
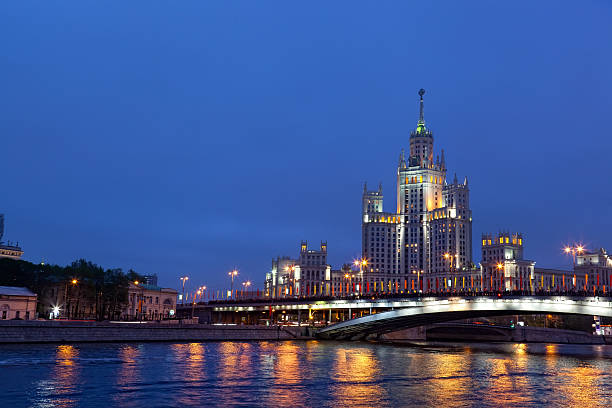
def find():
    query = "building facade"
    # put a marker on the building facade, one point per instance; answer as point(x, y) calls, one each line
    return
point(149, 302)
point(8, 250)
point(503, 266)
point(308, 275)
point(430, 230)
point(17, 303)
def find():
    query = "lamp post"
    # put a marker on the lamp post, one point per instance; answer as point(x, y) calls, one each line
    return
point(451, 264)
point(502, 278)
point(232, 274)
point(140, 301)
point(199, 292)
point(361, 263)
point(183, 279)
point(74, 282)
point(573, 250)
point(245, 286)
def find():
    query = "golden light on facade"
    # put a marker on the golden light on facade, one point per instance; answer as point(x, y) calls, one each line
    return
point(446, 255)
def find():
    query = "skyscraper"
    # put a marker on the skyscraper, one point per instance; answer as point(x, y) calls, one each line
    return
point(431, 228)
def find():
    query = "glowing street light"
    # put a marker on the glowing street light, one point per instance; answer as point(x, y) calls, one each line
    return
point(573, 250)
point(183, 279)
point(361, 263)
point(232, 274)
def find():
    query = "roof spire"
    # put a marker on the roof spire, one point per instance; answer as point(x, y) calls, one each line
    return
point(421, 110)
point(402, 161)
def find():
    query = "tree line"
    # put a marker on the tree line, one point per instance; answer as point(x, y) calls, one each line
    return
point(107, 289)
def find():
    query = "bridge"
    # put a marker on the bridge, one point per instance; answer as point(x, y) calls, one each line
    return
point(360, 318)
point(428, 311)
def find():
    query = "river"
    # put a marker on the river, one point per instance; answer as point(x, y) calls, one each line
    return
point(309, 374)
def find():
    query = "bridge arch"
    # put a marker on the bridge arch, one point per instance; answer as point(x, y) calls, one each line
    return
point(425, 312)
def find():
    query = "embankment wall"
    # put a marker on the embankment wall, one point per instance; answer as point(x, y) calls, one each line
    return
point(68, 332)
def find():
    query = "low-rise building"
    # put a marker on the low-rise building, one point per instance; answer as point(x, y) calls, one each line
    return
point(148, 302)
point(17, 303)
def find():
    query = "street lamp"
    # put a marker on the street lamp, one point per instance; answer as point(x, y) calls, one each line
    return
point(183, 279)
point(232, 274)
point(502, 281)
point(66, 308)
point(246, 286)
point(141, 300)
point(573, 250)
point(361, 263)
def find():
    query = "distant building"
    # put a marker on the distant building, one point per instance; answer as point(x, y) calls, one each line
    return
point(17, 303)
point(8, 250)
point(149, 302)
point(151, 279)
point(503, 267)
point(309, 275)
point(593, 271)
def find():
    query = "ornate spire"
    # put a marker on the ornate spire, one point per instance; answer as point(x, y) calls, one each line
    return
point(380, 188)
point(402, 160)
point(365, 187)
point(442, 162)
point(421, 111)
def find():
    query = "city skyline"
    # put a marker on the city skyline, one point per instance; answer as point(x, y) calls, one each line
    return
point(144, 172)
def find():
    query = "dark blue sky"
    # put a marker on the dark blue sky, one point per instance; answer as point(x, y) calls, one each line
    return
point(194, 137)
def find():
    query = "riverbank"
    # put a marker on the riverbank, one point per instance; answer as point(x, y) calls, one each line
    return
point(72, 332)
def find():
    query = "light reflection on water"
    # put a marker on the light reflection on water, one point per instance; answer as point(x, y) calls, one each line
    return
point(322, 374)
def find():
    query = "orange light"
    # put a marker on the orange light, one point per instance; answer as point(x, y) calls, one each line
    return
point(447, 255)
point(580, 248)
point(356, 262)
point(74, 281)
point(499, 265)
point(567, 250)
point(135, 282)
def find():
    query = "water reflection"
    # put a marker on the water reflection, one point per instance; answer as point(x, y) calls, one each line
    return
point(128, 375)
point(449, 382)
point(190, 358)
point(581, 386)
point(60, 389)
point(356, 375)
point(320, 374)
point(234, 371)
point(287, 377)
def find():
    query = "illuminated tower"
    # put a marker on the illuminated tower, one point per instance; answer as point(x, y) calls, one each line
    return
point(431, 230)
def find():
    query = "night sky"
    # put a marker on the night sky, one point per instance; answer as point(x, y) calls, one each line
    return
point(191, 137)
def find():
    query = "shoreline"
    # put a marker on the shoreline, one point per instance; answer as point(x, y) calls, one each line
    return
point(38, 332)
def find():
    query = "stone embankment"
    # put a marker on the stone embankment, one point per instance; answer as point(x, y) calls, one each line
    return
point(68, 332)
